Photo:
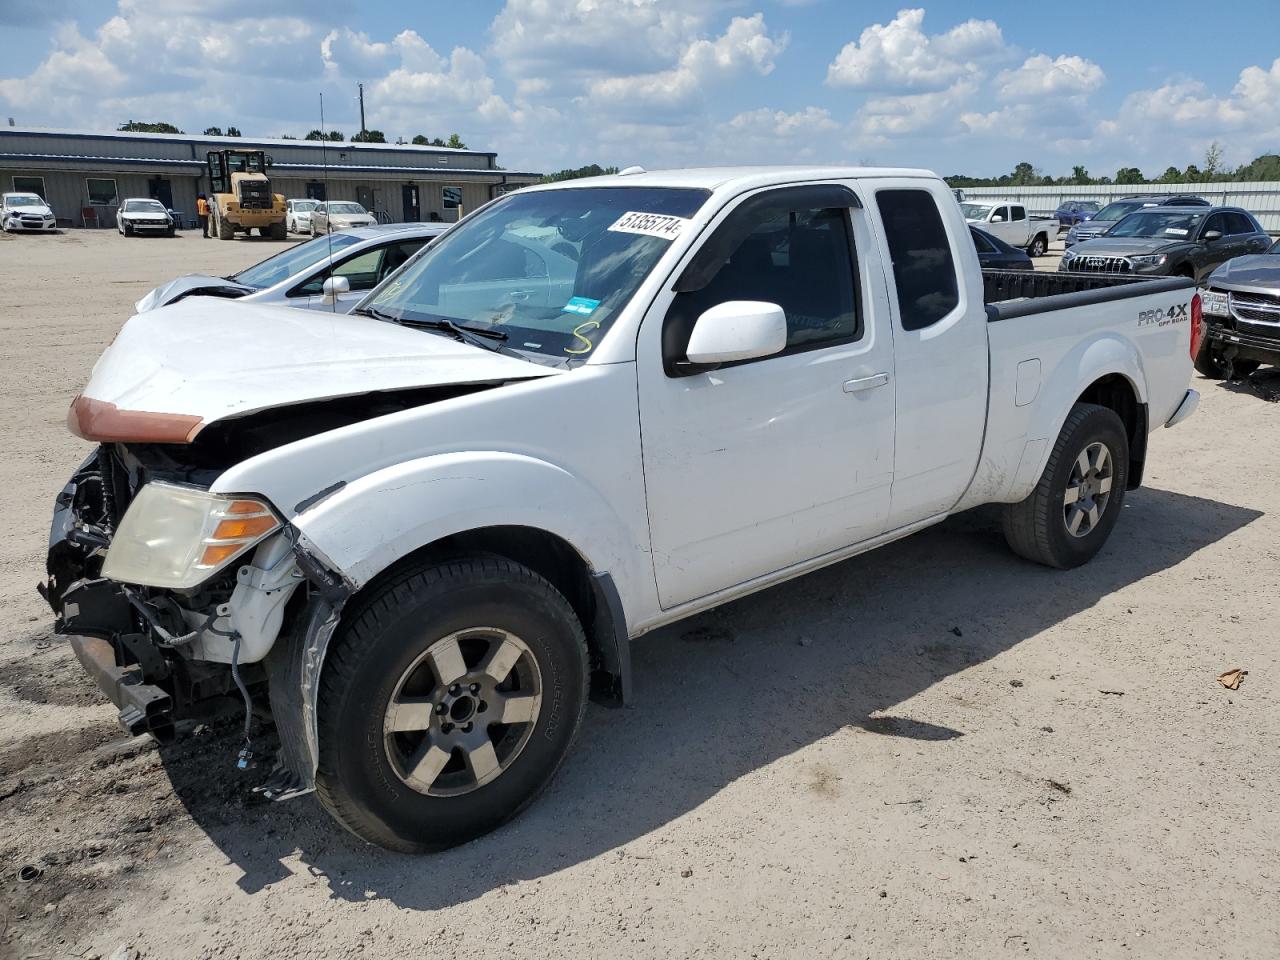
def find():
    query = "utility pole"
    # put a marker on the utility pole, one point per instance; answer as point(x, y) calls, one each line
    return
point(362, 129)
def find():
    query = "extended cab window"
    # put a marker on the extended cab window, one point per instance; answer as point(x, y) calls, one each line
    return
point(1019, 213)
point(923, 269)
point(776, 251)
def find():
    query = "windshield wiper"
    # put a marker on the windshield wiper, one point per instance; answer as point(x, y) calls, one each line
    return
point(475, 336)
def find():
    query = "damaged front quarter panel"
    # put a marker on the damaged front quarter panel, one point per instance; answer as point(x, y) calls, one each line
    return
point(293, 670)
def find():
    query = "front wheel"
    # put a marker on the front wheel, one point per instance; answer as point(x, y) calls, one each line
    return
point(1038, 246)
point(1069, 515)
point(449, 699)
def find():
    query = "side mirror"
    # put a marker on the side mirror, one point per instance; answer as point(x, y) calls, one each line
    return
point(738, 330)
point(1212, 235)
point(997, 219)
point(334, 286)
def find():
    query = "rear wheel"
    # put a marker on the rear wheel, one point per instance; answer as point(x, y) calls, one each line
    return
point(1069, 515)
point(447, 702)
point(225, 231)
point(277, 231)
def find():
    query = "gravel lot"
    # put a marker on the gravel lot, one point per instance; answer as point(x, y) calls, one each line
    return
point(932, 750)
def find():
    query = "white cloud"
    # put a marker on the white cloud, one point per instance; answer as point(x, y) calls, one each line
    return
point(745, 46)
point(900, 57)
point(1042, 76)
point(573, 39)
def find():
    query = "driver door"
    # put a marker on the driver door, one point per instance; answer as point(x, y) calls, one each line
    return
point(762, 464)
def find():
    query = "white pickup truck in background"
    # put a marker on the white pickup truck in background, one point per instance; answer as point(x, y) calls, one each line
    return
point(1010, 222)
point(424, 531)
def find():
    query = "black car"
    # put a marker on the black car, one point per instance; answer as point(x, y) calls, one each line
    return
point(1096, 224)
point(1170, 242)
point(1241, 316)
point(995, 254)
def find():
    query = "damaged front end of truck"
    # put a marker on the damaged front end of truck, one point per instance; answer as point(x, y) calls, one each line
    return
point(192, 650)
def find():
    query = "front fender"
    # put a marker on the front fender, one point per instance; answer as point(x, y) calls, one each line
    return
point(373, 521)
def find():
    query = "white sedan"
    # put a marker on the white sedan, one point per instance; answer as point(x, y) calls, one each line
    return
point(327, 273)
point(297, 215)
point(143, 215)
point(25, 211)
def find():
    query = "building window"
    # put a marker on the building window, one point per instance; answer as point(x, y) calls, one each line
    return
point(101, 191)
point(452, 197)
point(29, 185)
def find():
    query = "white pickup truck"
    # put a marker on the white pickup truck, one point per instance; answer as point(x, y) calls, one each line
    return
point(1008, 220)
point(426, 531)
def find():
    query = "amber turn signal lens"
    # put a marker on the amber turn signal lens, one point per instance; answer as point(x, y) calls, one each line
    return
point(215, 553)
point(244, 529)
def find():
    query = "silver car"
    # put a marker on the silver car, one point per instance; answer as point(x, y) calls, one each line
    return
point(339, 215)
point(326, 273)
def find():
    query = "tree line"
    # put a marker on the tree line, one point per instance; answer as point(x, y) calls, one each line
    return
point(334, 136)
point(1212, 170)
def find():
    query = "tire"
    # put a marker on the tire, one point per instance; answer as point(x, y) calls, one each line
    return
point(313, 229)
point(226, 231)
point(1242, 368)
point(277, 231)
point(447, 613)
point(1208, 364)
point(1039, 246)
point(172, 231)
point(128, 230)
point(1038, 528)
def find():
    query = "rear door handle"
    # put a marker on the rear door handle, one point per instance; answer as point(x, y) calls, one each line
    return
point(866, 383)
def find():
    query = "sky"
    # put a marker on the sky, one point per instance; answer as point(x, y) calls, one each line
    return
point(958, 87)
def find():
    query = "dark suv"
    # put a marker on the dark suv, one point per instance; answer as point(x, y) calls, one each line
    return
point(1170, 242)
point(1117, 210)
point(1071, 212)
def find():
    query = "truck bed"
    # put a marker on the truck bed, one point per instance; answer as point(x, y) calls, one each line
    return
point(1016, 293)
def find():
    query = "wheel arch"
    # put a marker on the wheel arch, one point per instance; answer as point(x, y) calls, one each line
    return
point(1117, 393)
point(593, 595)
point(1111, 371)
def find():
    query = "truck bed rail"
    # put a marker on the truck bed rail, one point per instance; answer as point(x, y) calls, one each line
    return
point(1018, 293)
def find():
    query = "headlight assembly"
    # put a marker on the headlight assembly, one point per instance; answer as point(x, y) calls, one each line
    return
point(1149, 260)
point(177, 537)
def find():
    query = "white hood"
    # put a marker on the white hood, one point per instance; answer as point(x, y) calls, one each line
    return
point(218, 359)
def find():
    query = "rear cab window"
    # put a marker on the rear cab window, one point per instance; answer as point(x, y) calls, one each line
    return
point(924, 269)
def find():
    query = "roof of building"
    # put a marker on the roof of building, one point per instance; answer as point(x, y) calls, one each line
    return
point(336, 169)
point(235, 141)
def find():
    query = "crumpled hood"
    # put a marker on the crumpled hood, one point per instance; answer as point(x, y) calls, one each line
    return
point(1261, 271)
point(1125, 246)
point(43, 210)
point(185, 286)
point(206, 360)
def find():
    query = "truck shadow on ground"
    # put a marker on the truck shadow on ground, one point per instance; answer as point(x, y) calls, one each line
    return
point(848, 643)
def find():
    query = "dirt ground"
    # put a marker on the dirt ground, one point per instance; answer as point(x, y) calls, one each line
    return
point(935, 750)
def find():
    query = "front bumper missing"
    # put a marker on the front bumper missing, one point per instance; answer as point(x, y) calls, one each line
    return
point(144, 707)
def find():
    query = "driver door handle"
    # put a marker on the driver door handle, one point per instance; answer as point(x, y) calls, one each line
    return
point(866, 383)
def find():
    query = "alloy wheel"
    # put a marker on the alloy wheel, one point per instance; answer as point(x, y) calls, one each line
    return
point(1088, 490)
point(462, 712)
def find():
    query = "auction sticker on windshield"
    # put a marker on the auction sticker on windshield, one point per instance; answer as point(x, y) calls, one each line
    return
point(650, 224)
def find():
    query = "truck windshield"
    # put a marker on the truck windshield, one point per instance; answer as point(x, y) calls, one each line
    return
point(549, 269)
point(975, 211)
point(292, 261)
point(1151, 223)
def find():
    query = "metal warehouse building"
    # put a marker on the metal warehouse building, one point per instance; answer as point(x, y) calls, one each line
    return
point(84, 176)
